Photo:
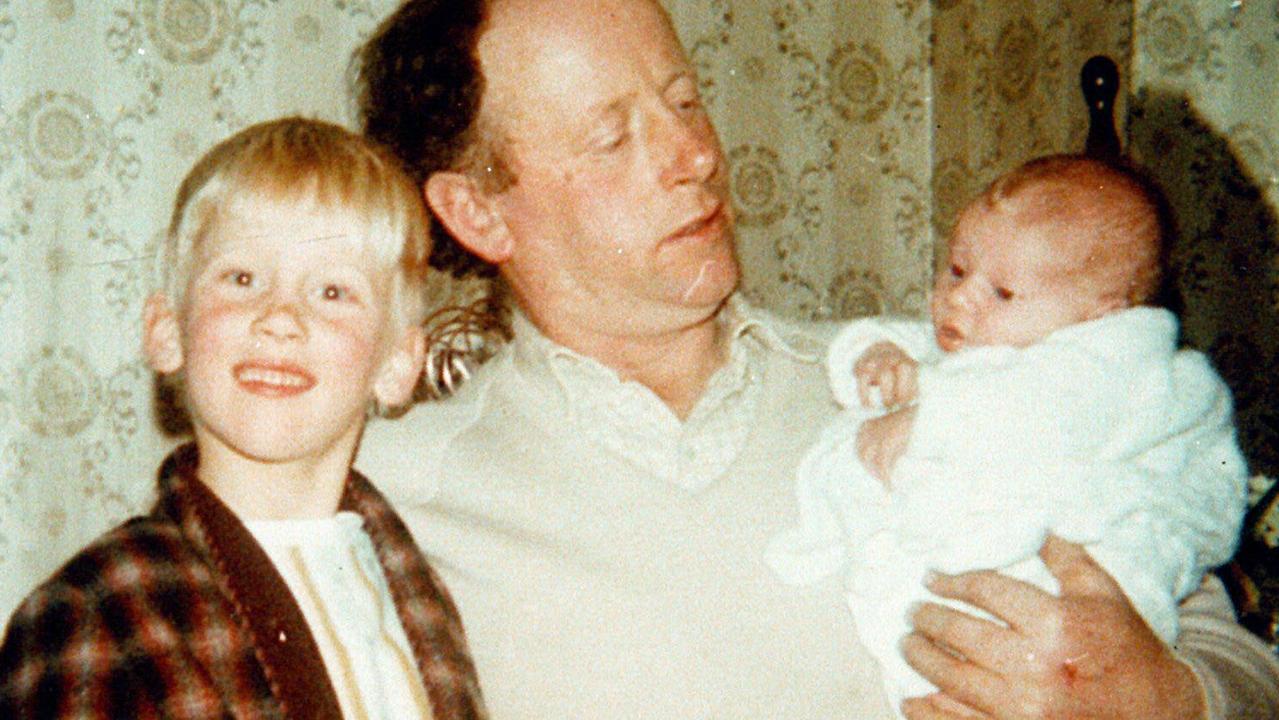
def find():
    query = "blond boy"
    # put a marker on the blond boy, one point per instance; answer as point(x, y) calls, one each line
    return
point(269, 580)
point(1044, 397)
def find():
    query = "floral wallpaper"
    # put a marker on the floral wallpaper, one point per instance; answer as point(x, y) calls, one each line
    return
point(1204, 118)
point(854, 131)
point(104, 105)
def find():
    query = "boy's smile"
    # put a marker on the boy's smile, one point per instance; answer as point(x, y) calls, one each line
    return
point(274, 379)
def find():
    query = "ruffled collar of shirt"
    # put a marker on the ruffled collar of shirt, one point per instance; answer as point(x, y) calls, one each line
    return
point(629, 420)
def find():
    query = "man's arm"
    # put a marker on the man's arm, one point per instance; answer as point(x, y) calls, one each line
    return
point(1086, 653)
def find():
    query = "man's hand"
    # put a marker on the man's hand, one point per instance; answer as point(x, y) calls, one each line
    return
point(881, 440)
point(1085, 654)
point(889, 368)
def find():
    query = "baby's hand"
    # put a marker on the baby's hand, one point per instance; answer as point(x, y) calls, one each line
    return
point(880, 441)
point(889, 368)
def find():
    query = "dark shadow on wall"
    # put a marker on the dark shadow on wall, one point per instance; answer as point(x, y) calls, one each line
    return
point(1223, 276)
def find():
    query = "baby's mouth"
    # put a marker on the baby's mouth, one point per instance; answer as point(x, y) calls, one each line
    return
point(949, 338)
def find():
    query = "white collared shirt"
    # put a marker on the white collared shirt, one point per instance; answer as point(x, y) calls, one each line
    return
point(332, 571)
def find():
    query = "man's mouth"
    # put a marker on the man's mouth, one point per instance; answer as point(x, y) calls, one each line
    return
point(708, 224)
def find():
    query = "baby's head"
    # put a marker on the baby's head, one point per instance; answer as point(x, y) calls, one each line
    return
point(291, 289)
point(1060, 240)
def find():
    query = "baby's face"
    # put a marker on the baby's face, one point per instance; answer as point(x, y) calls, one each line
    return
point(1008, 283)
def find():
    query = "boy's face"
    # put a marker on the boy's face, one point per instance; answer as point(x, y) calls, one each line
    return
point(285, 335)
point(1011, 283)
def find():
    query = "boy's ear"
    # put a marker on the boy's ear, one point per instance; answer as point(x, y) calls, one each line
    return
point(161, 335)
point(400, 369)
point(469, 214)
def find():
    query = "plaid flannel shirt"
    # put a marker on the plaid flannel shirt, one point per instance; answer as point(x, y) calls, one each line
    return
point(180, 614)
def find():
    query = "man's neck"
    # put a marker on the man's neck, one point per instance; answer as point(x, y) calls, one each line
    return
point(676, 364)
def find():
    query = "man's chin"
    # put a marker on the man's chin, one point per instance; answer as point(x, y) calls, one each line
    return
point(712, 283)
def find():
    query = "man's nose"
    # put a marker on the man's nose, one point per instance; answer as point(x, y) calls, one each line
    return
point(686, 146)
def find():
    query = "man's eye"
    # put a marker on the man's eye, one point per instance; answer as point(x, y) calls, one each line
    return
point(608, 143)
point(241, 278)
point(1004, 293)
point(956, 271)
point(687, 103)
point(334, 292)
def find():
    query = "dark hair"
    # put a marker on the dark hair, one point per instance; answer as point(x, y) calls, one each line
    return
point(419, 89)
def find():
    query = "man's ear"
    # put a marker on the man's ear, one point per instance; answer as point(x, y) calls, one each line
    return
point(400, 369)
point(469, 214)
point(161, 335)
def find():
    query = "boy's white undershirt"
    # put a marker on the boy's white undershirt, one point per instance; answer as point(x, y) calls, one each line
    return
point(332, 570)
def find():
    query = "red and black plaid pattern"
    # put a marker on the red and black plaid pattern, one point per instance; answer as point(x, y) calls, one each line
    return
point(180, 615)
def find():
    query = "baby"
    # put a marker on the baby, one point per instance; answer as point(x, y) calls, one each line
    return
point(1044, 397)
point(269, 580)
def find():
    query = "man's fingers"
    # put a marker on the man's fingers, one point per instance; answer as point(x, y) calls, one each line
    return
point(1018, 603)
point(1075, 569)
point(985, 643)
point(971, 685)
point(938, 707)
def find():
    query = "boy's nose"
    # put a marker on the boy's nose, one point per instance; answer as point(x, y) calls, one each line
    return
point(281, 321)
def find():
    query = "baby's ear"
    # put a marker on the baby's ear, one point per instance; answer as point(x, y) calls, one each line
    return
point(161, 335)
point(398, 375)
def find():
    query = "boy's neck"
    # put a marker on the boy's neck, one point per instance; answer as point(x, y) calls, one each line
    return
point(255, 489)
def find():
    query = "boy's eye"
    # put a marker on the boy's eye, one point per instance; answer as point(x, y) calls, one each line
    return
point(1004, 293)
point(334, 292)
point(241, 278)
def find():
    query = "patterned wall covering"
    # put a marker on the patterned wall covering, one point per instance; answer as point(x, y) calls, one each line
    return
point(842, 122)
point(1204, 117)
point(824, 112)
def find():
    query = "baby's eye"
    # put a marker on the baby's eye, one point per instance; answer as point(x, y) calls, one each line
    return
point(1004, 293)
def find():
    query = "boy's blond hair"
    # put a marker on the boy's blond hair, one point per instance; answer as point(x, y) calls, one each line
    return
point(1111, 212)
point(315, 165)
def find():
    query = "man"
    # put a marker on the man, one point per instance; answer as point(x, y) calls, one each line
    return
point(599, 496)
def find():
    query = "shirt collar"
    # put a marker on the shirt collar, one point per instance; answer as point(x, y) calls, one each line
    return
point(739, 318)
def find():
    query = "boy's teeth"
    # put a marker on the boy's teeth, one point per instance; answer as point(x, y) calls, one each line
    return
point(272, 377)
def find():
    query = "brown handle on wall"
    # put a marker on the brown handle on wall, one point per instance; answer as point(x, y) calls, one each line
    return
point(1099, 80)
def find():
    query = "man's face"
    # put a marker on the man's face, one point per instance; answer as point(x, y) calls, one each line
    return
point(620, 217)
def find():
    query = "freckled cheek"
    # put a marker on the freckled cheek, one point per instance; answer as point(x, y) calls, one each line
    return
point(351, 346)
point(210, 333)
